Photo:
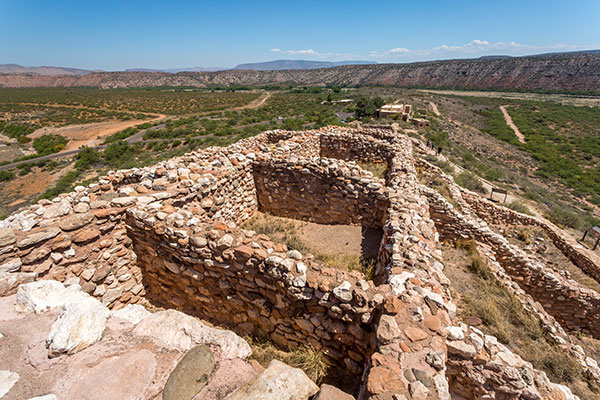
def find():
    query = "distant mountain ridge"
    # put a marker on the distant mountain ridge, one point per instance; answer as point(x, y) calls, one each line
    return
point(43, 70)
point(276, 65)
point(279, 65)
point(177, 70)
point(565, 71)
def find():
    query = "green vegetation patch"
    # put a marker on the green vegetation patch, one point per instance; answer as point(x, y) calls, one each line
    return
point(49, 144)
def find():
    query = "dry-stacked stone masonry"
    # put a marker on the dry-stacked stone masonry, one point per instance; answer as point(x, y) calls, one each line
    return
point(169, 235)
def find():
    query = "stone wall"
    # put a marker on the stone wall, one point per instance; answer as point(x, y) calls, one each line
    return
point(355, 147)
point(170, 230)
point(324, 191)
point(574, 306)
point(584, 258)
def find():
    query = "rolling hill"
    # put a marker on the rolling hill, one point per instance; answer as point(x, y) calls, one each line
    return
point(563, 72)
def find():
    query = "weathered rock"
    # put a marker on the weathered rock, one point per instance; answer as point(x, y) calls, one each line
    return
point(41, 296)
point(418, 391)
point(415, 334)
point(383, 380)
point(38, 237)
point(7, 237)
point(36, 255)
point(85, 235)
point(279, 381)
point(455, 333)
point(11, 265)
point(388, 329)
point(81, 208)
point(75, 221)
point(329, 392)
point(190, 375)
point(133, 313)
point(58, 210)
point(344, 291)
point(80, 324)
point(7, 381)
point(461, 349)
point(123, 201)
point(173, 329)
point(45, 397)
point(9, 282)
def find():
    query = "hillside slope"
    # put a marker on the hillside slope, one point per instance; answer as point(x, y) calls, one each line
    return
point(560, 72)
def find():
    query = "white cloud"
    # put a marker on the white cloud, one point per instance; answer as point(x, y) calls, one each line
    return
point(303, 52)
point(474, 48)
point(398, 50)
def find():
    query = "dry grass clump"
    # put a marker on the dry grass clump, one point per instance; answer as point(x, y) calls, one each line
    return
point(503, 316)
point(305, 357)
point(278, 229)
point(518, 206)
point(441, 186)
point(470, 181)
point(351, 263)
point(378, 169)
point(285, 231)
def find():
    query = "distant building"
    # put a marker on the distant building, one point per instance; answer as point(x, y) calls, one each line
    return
point(389, 110)
point(420, 123)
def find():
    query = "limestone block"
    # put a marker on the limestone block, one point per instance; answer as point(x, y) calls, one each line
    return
point(176, 330)
point(9, 282)
point(7, 381)
point(278, 381)
point(79, 325)
point(133, 313)
point(41, 296)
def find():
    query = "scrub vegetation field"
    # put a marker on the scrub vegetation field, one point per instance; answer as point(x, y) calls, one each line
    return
point(556, 172)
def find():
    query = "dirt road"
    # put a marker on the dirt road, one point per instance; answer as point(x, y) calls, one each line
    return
point(100, 134)
point(434, 108)
point(255, 103)
point(512, 125)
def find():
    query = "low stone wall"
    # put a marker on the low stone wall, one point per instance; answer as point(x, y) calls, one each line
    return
point(324, 191)
point(585, 259)
point(574, 306)
point(233, 277)
point(479, 367)
point(355, 147)
point(170, 231)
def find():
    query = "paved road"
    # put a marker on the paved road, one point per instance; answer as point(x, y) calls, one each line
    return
point(136, 138)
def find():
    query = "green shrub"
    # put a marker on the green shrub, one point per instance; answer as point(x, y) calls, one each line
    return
point(471, 182)
point(518, 206)
point(87, 157)
point(562, 216)
point(6, 176)
point(63, 185)
point(48, 144)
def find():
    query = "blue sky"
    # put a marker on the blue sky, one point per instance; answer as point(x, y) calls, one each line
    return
point(114, 35)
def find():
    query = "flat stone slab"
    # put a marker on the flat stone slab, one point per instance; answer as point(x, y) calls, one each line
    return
point(279, 381)
point(190, 375)
point(7, 381)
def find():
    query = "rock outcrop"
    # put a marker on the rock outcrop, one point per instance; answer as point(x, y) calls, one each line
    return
point(567, 71)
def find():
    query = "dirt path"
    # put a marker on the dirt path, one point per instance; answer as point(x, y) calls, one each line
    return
point(434, 108)
point(512, 125)
point(86, 134)
point(255, 103)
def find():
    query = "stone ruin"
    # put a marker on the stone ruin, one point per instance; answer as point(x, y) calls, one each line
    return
point(169, 236)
